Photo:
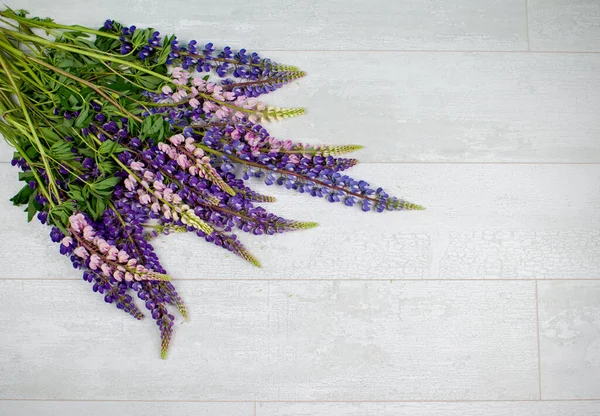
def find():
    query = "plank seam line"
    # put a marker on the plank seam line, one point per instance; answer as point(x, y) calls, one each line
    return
point(302, 401)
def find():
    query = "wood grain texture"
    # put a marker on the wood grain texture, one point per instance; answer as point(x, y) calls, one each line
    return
point(588, 408)
point(315, 24)
point(564, 25)
point(448, 107)
point(276, 341)
point(445, 107)
point(103, 408)
point(482, 221)
point(570, 339)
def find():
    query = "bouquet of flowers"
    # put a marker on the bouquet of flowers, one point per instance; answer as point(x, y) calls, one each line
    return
point(122, 135)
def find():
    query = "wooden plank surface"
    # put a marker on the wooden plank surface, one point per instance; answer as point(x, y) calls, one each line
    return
point(587, 408)
point(481, 221)
point(315, 24)
point(570, 339)
point(103, 408)
point(564, 25)
point(276, 341)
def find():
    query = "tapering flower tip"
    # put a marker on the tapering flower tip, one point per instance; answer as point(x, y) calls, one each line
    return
point(286, 68)
point(212, 175)
point(189, 217)
point(394, 204)
point(277, 113)
point(340, 150)
point(256, 197)
point(299, 225)
point(164, 344)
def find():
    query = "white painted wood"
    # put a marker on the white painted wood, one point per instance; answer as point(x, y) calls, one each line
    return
point(318, 340)
point(453, 107)
point(575, 408)
point(482, 221)
point(570, 339)
point(103, 408)
point(314, 24)
point(564, 25)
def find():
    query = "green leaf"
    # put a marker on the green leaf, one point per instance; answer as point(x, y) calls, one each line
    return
point(166, 49)
point(106, 184)
point(109, 147)
point(82, 118)
point(61, 151)
point(22, 196)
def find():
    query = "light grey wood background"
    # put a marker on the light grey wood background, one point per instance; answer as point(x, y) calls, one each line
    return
point(487, 303)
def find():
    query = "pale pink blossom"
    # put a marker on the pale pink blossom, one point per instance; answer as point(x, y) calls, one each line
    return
point(102, 245)
point(129, 184)
point(166, 90)
point(112, 253)
point(193, 171)
point(118, 275)
point(128, 277)
point(81, 252)
point(136, 165)
point(193, 92)
point(176, 199)
point(194, 103)
point(88, 233)
point(176, 139)
point(155, 207)
point(106, 269)
point(67, 241)
point(159, 186)
point(253, 118)
point(199, 82)
point(144, 199)
point(198, 152)
point(260, 106)
point(183, 161)
point(77, 222)
point(210, 87)
point(163, 147)
point(229, 96)
point(122, 256)
point(294, 159)
point(177, 72)
point(148, 176)
point(168, 194)
point(131, 262)
point(95, 262)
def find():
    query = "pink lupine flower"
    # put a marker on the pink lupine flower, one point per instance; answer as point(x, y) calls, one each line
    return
point(81, 252)
point(236, 135)
point(122, 256)
point(112, 253)
point(136, 166)
point(130, 183)
point(106, 269)
point(287, 144)
point(159, 186)
point(193, 92)
point(144, 199)
point(294, 159)
point(193, 170)
point(210, 87)
point(199, 83)
point(118, 275)
point(102, 245)
point(168, 194)
point(155, 207)
point(128, 277)
point(183, 161)
point(67, 241)
point(95, 262)
point(149, 176)
point(77, 222)
point(177, 72)
point(198, 152)
point(176, 140)
point(166, 90)
point(163, 147)
point(194, 103)
point(260, 106)
point(229, 96)
point(176, 199)
point(88, 233)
